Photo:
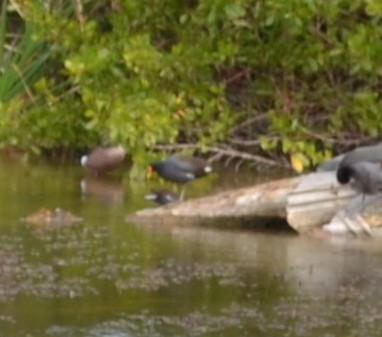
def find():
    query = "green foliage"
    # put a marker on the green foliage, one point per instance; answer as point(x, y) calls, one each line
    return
point(3, 27)
point(21, 60)
point(160, 72)
point(22, 64)
point(128, 87)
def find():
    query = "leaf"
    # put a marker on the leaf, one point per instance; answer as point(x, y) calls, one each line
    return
point(299, 161)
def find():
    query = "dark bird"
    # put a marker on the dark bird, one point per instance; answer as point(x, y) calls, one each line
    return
point(361, 168)
point(103, 159)
point(366, 177)
point(162, 197)
point(331, 164)
point(180, 169)
point(370, 153)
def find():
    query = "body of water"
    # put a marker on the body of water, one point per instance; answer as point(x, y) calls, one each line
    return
point(106, 277)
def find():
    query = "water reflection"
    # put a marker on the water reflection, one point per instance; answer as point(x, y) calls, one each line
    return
point(106, 277)
point(105, 189)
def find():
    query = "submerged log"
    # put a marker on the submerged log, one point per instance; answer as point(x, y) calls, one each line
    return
point(315, 199)
point(304, 202)
point(261, 201)
point(361, 215)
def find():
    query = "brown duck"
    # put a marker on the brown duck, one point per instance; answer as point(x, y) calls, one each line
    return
point(103, 159)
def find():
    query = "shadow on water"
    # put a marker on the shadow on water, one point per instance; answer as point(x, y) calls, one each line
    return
point(106, 277)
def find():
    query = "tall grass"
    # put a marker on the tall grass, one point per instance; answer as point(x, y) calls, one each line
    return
point(21, 60)
point(3, 26)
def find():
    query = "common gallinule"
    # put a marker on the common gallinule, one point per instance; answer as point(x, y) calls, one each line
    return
point(361, 168)
point(331, 164)
point(180, 169)
point(103, 159)
point(369, 153)
point(162, 197)
point(366, 176)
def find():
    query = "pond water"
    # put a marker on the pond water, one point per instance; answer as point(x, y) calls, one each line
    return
point(107, 277)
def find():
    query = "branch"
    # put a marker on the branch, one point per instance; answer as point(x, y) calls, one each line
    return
point(247, 122)
point(222, 151)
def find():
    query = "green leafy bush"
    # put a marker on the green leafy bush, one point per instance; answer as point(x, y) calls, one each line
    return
point(205, 72)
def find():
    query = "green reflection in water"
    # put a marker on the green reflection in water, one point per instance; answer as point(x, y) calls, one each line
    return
point(106, 277)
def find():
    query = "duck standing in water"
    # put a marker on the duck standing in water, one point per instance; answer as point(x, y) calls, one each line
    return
point(103, 159)
point(180, 169)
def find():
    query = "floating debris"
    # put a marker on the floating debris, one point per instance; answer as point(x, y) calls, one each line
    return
point(46, 218)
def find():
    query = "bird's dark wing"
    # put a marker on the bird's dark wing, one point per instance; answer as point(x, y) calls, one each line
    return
point(190, 167)
point(368, 176)
point(331, 165)
point(372, 153)
point(187, 164)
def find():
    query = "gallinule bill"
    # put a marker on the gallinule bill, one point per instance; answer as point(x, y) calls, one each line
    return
point(180, 169)
point(162, 197)
point(103, 159)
